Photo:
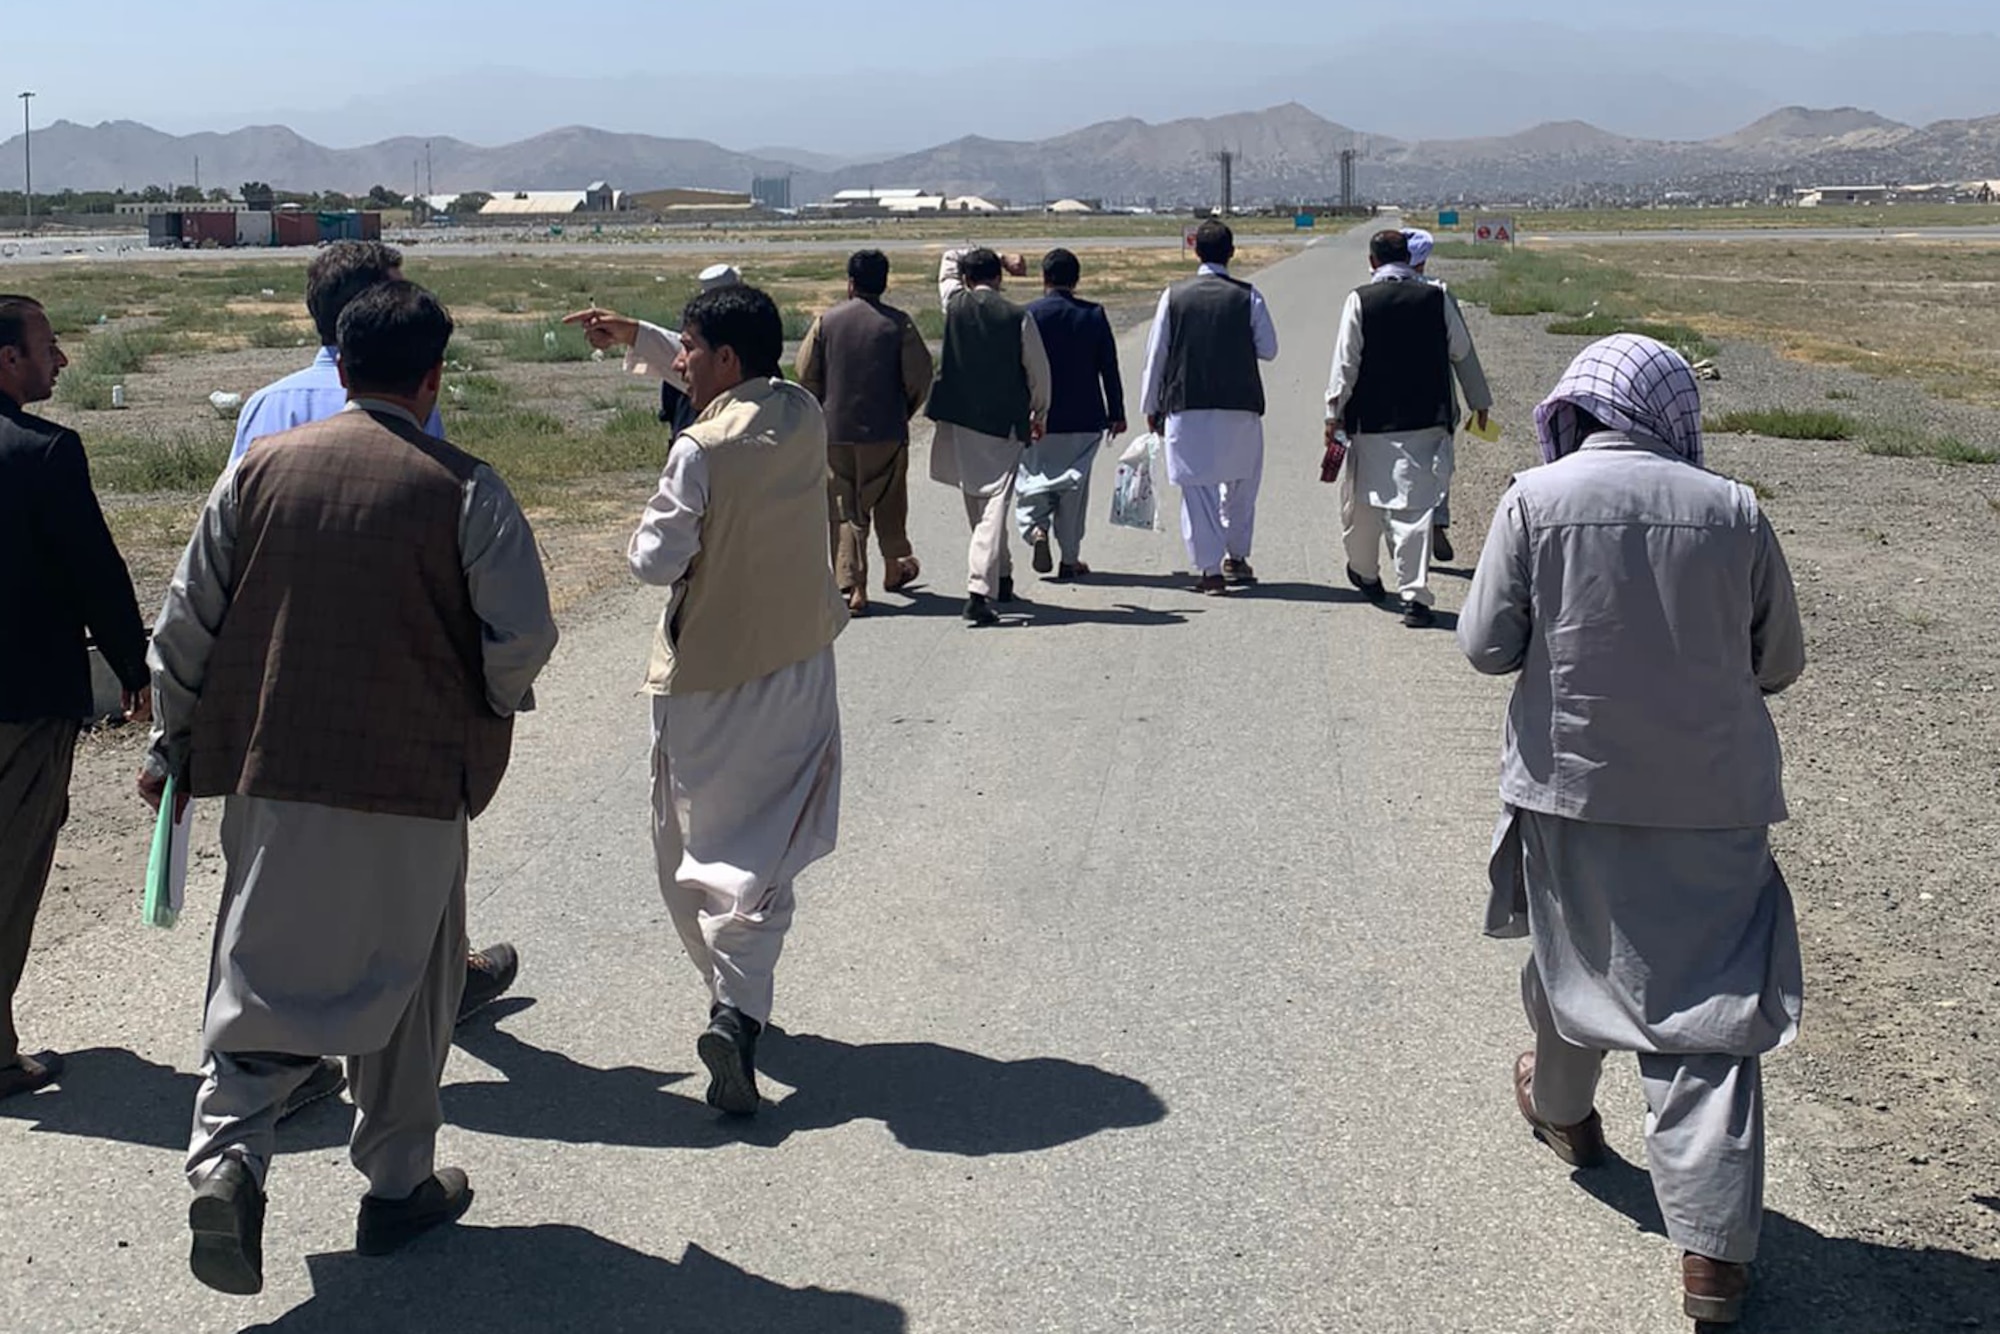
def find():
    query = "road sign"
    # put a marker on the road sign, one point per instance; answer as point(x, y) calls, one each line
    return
point(1187, 237)
point(1493, 231)
point(1304, 220)
point(1448, 217)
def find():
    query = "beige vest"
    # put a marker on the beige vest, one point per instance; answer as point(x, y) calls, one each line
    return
point(760, 595)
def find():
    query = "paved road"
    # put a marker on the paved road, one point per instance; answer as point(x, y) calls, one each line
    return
point(1145, 994)
point(1693, 236)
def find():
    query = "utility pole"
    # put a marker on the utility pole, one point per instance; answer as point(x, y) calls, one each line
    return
point(430, 177)
point(197, 173)
point(27, 163)
point(1347, 156)
point(1227, 160)
point(417, 196)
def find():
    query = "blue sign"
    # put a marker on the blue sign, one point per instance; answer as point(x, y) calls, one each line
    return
point(1305, 220)
point(1448, 217)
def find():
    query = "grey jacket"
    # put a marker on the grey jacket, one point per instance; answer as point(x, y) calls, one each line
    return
point(1649, 610)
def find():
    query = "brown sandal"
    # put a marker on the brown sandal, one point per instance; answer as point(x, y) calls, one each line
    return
point(32, 1074)
point(901, 574)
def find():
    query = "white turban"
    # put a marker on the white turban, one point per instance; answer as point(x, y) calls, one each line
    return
point(719, 275)
point(1421, 242)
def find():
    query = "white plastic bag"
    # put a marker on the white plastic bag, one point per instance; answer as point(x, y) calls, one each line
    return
point(1134, 502)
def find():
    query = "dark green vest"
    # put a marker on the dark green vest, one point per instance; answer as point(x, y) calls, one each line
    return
point(981, 383)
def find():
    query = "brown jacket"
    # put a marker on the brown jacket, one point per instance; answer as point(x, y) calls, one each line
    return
point(869, 367)
point(347, 671)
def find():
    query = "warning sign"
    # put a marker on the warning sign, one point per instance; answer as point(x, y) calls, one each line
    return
point(1493, 231)
point(1187, 237)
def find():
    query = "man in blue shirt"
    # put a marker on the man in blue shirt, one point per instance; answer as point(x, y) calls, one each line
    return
point(338, 274)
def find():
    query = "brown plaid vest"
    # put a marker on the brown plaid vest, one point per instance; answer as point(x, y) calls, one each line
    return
point(348, 670)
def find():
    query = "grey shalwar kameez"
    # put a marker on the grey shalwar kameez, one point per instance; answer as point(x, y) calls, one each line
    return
point(340, 932)
point(1648, 609)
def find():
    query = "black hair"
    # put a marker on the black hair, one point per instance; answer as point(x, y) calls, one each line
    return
point(868, 270)
point(14, 312)
point(1214, 243)
point(744, 318)
point(1061, 269)
point(341, 272)
point(1389, 247)
point(978, 267)
point(391, 336)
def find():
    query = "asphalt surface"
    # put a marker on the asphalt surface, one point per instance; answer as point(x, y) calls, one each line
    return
point(1146, 993)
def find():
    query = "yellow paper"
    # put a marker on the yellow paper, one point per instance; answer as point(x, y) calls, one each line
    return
point(1490, 435)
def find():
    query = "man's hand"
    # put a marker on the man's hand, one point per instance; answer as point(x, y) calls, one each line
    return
point(1155, 423)
point(1332, 428)
point(138, 705)
point(1481, 420)
point(1015, 264)
point(1037, 429)
point(1117, 428)
point(604, 328)
point(153, 788)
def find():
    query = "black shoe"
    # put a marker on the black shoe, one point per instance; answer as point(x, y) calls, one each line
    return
point(1371, 589)
point(978, 612)
point(1006, 593)
point(328, 1078)
point(1237, 573)
point(1441, 548)
point(227, 1220)
point(729, 1049)
point(1417, 616)
point(488, 974)
point(386, 1226)
point(1044, 561)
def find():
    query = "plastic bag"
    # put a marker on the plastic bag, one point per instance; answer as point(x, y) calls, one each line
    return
point(1134, 502)
point(166, 866)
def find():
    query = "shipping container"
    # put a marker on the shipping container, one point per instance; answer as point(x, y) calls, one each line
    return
point(163, 231)
point(340, 226)
point(371, 226)
point(295, 228)
point(253, 227)
point(208, 231)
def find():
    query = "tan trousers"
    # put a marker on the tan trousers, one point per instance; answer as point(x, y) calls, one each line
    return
point(35, 762)
point(867, 486)
point(990, 558)
point(395, 1090)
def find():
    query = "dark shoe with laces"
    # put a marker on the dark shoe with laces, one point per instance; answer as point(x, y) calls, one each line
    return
point(327, 1080)
point(1237, 573)
point(1441, 548)
point(1070, 573)
point(1371, 589)
point(227, 1220)
point(1211, 585)
point(1418, 616)
point(488, 975)
point(980, 612)
point(386, 1226)
point(1044, 560)
point(1713, 1290)
point(1579, 1145)
point(729, 1049)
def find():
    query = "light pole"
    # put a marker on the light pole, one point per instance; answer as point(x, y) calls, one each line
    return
point(27, 164)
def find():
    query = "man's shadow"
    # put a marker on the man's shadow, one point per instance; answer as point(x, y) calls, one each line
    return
point(1806, 1280)
point(535, 1280)
point(110, 1093)
point(933, 1098)
point(1024, 612)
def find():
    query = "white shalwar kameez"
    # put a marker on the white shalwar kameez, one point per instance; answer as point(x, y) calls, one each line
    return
point(746, 781)
point(1214, 455)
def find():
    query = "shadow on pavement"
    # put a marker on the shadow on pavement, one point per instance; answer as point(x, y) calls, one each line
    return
point(1806, 1280)
point(534, 1280)
point(111, 1093)
point(943, 1100)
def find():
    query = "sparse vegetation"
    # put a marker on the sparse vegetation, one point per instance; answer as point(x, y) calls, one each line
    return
point(1902, 442)
point(181, 460)
point(1783, 424)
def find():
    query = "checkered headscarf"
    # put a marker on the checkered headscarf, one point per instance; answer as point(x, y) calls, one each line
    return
point(1628, 383)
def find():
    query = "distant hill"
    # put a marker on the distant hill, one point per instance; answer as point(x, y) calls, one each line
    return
point(1284, 152)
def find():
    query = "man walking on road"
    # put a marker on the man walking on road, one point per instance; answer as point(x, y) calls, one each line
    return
point(989, 403)
point(1204, 390)
point(1421, 245)
point(338, 274)
point(60, 576)
point(357, 618)
point(746, 717)
point(1649, 611)
point(867, 365)
point(1401, 340)
point(1086, 399)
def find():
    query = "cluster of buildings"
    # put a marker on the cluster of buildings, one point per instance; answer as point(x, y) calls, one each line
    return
point(224, 226)
point(1862, 196)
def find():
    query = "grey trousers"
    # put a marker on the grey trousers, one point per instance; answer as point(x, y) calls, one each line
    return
point(395, 1090)
point(989, 558)
point(35, 762)
point(1704, 1129)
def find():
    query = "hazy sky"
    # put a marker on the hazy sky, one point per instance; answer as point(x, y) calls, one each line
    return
point(784, 71)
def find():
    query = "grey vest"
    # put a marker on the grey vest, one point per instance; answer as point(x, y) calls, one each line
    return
point(1211, 350)
point(981, 383)
point(1405, 380)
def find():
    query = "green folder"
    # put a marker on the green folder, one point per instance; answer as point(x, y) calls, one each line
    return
point(166, 865)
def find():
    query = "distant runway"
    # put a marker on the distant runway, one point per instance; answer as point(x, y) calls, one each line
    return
point(1769, 234)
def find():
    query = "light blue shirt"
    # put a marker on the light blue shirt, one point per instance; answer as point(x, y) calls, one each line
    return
point(310, 395)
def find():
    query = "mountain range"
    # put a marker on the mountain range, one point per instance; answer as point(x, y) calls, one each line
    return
point(1284, 152)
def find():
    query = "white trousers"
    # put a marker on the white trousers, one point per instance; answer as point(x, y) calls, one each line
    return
point(990, 557)
point(1363, 529)
point(1220, 522)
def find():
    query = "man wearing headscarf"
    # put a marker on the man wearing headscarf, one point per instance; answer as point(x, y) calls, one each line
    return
point(1421, 245)
point(1401, 341)
point(1648, 609)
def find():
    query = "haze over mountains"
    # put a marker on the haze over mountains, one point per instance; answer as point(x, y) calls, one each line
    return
point(1285, 152)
